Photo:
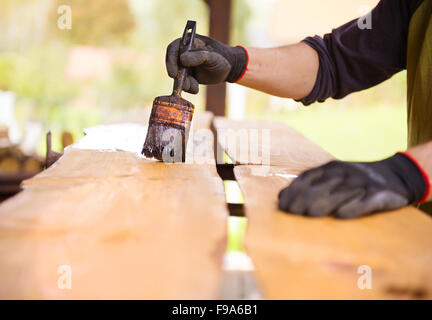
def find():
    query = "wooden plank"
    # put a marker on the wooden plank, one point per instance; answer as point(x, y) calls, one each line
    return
point(254, 141)
point(128, 227)
point(308, 258)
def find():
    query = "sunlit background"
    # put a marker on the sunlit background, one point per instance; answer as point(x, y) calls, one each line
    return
point(110, 65)
point(112, 62)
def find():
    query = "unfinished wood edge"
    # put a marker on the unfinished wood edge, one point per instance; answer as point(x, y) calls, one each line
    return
point(222, 123)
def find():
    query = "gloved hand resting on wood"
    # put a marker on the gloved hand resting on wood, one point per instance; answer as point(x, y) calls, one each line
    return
point(209, 62)
point(355, 189)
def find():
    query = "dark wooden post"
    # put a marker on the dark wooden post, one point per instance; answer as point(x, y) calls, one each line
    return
point(220, 16)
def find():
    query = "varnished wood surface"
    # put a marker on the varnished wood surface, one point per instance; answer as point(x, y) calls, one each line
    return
point(128, 228)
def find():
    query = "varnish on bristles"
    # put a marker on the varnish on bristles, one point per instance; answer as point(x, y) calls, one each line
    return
point(168, 130)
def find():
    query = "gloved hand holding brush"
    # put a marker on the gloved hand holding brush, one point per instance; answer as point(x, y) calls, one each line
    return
point(209, 62)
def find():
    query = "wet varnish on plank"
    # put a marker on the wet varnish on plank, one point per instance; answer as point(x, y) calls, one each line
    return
point(126, 226)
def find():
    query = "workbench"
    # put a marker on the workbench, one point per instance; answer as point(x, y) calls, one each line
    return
point(103, 222)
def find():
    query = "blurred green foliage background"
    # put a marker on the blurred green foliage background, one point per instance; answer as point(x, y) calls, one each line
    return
point(34, 55)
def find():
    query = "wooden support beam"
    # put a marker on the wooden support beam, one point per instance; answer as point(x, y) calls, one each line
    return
point(220, 16)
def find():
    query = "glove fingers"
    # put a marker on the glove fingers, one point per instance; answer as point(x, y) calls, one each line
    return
point(288, 196)
point(186, 84)
point(172, 53)
point(326, 204)
point(171, 58)
point(193, 58)
point(194, 87)
point(380, 201)
point(209, 59)
point(190, 85)
point(301, 203)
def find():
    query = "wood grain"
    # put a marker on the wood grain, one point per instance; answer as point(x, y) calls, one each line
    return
point(128, 227)
point(308, 258)
point(201, 119)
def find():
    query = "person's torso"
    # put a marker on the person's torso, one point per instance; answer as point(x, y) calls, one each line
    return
point(419, 69)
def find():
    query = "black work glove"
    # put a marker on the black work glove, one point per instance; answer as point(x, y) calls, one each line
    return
point(209, 62)
point(355, 189)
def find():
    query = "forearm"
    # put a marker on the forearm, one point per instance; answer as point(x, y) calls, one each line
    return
point(288, 71)
point(423, 155)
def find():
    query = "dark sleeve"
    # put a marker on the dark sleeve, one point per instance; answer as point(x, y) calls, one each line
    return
point(353, 59)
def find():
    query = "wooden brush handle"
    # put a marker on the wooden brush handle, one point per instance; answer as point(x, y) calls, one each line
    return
point(185, 45)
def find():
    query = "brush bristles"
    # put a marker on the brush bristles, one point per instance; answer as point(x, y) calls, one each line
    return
point(168, 129)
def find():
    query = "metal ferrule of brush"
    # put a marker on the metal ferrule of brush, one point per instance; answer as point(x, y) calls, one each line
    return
point(171, 116)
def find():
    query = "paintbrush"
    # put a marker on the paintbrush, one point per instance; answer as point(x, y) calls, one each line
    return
point(171, 116)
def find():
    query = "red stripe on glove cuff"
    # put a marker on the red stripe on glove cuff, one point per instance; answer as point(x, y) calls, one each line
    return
point(425, 177)
point(247, 63)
